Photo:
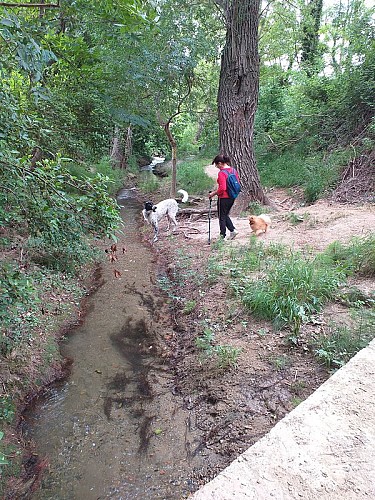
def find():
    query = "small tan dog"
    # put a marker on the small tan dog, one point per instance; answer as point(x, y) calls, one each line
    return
point(259, 223)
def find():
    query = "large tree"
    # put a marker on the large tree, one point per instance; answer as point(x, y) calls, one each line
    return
point(238, 92)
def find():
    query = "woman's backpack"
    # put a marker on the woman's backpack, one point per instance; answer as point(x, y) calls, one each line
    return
point(233, 186)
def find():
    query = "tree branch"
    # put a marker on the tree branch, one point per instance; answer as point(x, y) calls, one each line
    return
point(38, 5)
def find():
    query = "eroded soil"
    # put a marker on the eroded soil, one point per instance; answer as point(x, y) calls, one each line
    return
point(235, 407)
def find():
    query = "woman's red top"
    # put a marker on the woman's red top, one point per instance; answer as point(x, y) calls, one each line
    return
point(222, 182)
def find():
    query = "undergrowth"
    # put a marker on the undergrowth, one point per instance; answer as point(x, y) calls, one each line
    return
point(340, 343)
point(316, 173)
point(225, 356)
point(288, 287)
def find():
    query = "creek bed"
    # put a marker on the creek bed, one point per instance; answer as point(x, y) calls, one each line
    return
point(113, 428)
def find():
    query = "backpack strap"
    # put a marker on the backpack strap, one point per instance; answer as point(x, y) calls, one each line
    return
point(227, 172)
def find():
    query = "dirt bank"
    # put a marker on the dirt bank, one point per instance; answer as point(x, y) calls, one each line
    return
point(234, 407)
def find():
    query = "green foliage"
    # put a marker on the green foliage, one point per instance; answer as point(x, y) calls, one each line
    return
point(3, 460)
point(256, 209)
point(355, 298)
point(149, 183)
point(295, 219)
point(302, 114)
point(23, 302)
point(84, 172)
point(57, 222)
point(17, 306)
point(204, 341)
point(192, 178)
point(7, 409)
point(288, 287)
point(284, 170)
point(358, 257)
point(280, 362)
point(189, 307)
point(226, 355)
point(291, 287)
point(292, 291)
point(341, 342)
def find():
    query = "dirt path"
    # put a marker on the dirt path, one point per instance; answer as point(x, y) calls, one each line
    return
point(314, 226)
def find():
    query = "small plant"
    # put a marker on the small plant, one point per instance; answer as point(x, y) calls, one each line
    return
point(255, 208)
point(280, 362)
point(168, 287)
point(7, 409)
point(353, 297)
point(204, 342)
point(296, 401)
point(297, 387)
point(295, 219)
point(189, 307)
point(214, 269)
point(3, 460)
point(342, 343)
point(262, 332)
point(227, 355)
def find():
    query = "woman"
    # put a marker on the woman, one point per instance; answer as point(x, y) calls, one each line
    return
point(224, 202)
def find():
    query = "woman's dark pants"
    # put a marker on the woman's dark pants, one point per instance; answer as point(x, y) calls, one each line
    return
point(223, 208)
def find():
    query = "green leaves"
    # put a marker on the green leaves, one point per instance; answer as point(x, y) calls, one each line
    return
point(59, 220)
point(3, 460)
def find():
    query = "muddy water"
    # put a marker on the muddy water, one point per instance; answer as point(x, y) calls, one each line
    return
point(114, 429)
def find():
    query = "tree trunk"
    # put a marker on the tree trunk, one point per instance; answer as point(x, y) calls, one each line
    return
point(127, 147)
point(311, 26)
point(173, 143)
point(116, 153)
point(238, 95)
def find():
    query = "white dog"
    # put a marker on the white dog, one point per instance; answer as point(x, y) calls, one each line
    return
point(154, 213)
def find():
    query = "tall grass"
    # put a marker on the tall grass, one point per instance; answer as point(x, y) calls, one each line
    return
point(280, 285)
point(358, 257)
point(148, 182)
point(315, 173)
point(192, 178)
point(291, 292)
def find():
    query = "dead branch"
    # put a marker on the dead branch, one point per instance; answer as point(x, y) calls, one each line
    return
point(192, 211)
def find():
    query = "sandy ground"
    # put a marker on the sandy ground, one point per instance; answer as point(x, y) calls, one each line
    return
point(314, 226)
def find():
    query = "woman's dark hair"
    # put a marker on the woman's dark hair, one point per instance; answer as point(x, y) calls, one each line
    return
point(221, 159)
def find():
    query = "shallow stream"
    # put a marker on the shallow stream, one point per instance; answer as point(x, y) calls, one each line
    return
point(114, 429)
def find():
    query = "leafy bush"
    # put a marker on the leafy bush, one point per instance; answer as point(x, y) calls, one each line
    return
point(7, 409)
point(3, 460)
point(17, 305)
point(57, 222)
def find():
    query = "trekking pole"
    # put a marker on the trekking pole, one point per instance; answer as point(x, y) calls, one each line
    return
point(209, 223)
